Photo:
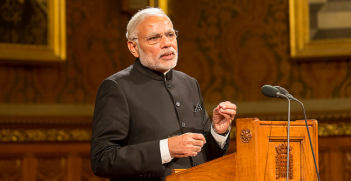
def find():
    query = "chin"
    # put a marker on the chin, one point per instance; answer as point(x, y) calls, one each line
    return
point(170, 64)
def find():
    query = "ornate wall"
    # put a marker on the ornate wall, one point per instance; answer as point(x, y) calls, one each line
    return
point(232, 47)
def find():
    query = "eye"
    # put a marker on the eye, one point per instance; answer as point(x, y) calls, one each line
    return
point(171, 35)
point(154, 38)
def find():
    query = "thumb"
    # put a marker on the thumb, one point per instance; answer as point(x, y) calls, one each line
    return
point(216, 110)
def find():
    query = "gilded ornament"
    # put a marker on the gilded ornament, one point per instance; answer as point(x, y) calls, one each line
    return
point(40, 135)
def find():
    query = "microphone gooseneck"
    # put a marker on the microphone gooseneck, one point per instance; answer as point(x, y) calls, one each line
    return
point(309, 136)
point(274, 92)
point(280, 92)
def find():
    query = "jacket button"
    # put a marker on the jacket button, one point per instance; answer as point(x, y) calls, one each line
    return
point(178, 104)
point(183, 125)
point(169, 86)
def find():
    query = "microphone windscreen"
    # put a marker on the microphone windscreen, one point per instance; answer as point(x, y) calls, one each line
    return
point(269, 91)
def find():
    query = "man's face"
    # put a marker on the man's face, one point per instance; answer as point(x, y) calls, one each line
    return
point(161, 56)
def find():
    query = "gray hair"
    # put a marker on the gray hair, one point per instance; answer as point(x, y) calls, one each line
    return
point(139, 17)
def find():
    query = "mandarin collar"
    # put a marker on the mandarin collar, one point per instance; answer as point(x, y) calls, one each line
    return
point(152, 74)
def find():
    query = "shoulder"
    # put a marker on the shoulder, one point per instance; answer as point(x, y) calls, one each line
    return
point(181, 75)
point(123, 74)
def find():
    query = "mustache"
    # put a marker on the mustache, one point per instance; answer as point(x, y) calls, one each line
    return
point(168, 51)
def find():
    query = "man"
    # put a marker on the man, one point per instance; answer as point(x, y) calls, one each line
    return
point(149, 118)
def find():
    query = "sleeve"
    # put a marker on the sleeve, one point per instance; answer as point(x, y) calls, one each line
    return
point(165, 155)
point(212, 148)
point(110, 154)
point(221, 140)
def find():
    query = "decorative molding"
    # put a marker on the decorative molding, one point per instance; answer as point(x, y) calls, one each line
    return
point(324, 129)
point(334, 129)
point(49, 114)
point(319, 109)
point(64, 135)
point(44, 135)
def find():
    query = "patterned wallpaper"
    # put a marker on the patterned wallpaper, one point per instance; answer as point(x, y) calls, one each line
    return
point(232, 47)
point(235, 47)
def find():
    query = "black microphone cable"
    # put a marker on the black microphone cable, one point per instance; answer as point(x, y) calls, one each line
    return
point(309, 136)
point(284, 91)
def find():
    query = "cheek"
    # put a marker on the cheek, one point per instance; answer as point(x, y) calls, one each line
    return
point(175, 46)
point(151, 51)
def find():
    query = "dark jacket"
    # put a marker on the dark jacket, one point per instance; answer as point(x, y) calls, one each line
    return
point(135, 109)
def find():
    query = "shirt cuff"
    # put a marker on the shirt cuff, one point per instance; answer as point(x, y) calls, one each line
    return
point(219, 138)
point(165, 155)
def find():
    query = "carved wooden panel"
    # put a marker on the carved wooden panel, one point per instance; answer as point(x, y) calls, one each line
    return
point(335, 158)
point(11, 168)
point(46, 162)
point(52, 168)
point(324, 164)
point(347, 167)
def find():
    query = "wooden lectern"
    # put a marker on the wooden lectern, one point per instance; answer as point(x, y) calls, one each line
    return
point(262, 154)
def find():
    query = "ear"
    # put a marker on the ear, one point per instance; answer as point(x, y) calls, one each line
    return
point(133, 48)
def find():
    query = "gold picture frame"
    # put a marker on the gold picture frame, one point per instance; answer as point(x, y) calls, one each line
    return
point(301, 45)
point(163, 4)
point(54, 50)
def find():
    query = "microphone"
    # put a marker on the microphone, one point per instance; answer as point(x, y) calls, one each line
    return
point(274, 92)
point(283, 91)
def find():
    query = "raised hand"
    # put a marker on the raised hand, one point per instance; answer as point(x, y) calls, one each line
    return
point(223, 115)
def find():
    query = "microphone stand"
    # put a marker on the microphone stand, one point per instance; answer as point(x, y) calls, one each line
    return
point(288, 147)
point(309, 136)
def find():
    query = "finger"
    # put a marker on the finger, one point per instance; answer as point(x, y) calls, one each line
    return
point(182, 155)
point(227, 105)
point(193, 153)
point(216, 110)
point(227, 116)
point(198, 143)
point(199, 137)
point(196, 149)
point(229, 112)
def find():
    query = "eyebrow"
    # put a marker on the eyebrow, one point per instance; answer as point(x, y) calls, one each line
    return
point(153, 33)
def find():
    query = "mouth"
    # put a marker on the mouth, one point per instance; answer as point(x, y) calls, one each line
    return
point(167, 55)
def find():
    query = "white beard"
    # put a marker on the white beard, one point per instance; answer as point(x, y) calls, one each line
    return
point(155, 64)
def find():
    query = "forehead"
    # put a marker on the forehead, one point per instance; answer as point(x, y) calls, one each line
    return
point(154, 25)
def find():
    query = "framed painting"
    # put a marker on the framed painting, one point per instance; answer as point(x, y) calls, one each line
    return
point(32, 30)
point(320, 28)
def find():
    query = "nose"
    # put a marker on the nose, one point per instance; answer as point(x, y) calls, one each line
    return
point(165, 42)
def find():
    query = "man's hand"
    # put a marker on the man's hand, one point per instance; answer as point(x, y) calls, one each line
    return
point(188, 144)
point(223, 115)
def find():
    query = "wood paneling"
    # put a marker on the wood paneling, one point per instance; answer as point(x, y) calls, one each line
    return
point(46, 162)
